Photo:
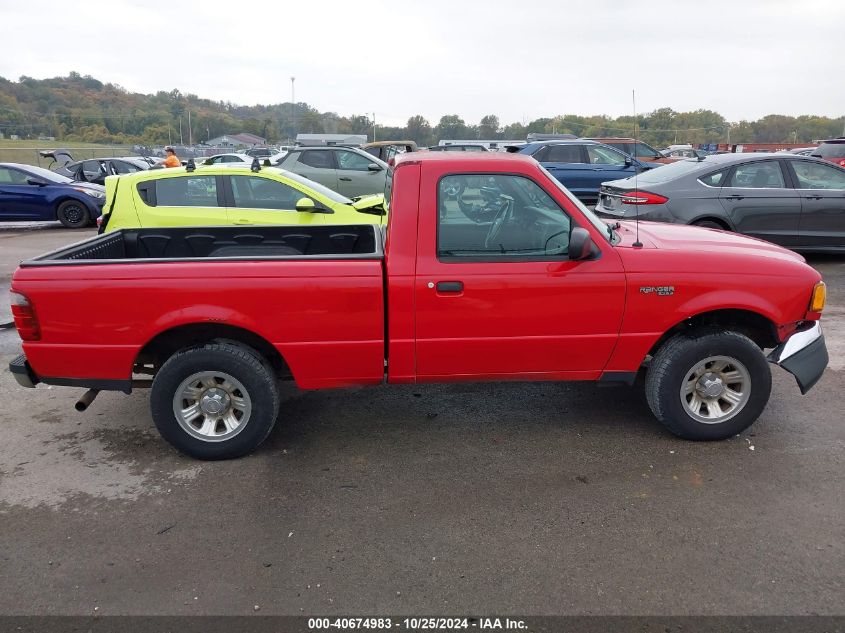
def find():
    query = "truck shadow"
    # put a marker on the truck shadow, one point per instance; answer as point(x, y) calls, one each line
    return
point(464, 412)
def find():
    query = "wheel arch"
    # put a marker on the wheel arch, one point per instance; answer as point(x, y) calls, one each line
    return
point(754, 325)
point(65, 197)
point(710, 217)
point(167, 342)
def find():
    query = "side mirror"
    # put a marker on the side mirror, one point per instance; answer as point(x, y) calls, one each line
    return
point(374, 167)
point(628, 161)
point(580, 244)
point(37, 182)
point(305, 205)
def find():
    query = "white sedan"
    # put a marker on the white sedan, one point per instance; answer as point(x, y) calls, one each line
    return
point(240, 159)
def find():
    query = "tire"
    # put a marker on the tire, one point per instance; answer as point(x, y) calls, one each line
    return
point(73, 214)
point(681, 388)
point(231, 405)
point(710, 224)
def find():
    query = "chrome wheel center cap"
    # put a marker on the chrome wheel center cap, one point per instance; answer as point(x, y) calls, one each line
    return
point(214, 401)
point(710, 385)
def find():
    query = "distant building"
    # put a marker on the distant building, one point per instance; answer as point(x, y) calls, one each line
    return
point(244, 139)
point(331, 139)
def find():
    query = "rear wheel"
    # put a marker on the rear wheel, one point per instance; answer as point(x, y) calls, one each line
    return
point(73, 214)
point(218, 401)
point(708, 386)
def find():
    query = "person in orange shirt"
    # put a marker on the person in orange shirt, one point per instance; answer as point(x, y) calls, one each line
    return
point(172, 160)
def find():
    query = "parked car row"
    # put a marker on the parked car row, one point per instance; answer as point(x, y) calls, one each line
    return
point(32, 194)
point(792, 200)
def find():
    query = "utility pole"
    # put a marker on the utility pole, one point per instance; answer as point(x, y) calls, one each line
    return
point(190, 136)
point(180, 130)
point(729, 134)
point(374, 127)
point(292, 110)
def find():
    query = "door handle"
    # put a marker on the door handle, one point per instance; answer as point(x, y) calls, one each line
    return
point(242, 221)
point(450, 286)
point(734, 197)
point(813, 197)
point(345, 179)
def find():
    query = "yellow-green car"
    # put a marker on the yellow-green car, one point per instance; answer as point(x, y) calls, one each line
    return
point(223, 195)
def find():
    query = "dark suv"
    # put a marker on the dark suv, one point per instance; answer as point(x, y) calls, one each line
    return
point(832, 150)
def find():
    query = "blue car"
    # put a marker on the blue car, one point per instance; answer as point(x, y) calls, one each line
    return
point(34, 194)
point(581, 166)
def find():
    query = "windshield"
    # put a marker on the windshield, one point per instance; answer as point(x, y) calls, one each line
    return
point(831, 150)
point(671, 171)
point(603, 228)
point(48, 175)
point(317, 187)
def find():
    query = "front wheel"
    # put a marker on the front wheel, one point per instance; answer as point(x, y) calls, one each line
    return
point(218, 401)
point(708, 386)
point(73, 214)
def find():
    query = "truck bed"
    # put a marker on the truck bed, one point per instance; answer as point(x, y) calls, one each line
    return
point(315, 294)
point(222, 242)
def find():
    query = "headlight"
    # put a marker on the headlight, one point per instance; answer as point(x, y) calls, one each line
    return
point(91, 192)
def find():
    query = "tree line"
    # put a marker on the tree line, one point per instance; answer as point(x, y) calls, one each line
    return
point(83, 109)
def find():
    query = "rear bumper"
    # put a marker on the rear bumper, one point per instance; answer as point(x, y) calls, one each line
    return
point(804, 355)
point(23, 372)
point(26, 377)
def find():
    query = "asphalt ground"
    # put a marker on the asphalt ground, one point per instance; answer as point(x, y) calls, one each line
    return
point(536, 499)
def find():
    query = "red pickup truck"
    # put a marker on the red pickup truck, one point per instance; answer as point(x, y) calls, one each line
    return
point(510, 279)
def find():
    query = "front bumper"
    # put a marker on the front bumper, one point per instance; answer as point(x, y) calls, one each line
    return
point(23, 372)
point(804, 355)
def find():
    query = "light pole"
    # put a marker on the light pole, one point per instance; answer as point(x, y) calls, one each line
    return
point(374, 127)
point(292, 110)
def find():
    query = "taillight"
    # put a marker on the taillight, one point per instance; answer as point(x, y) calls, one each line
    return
point(25, 320)
point(99, 221)
point(643, 197)
point(842, 162)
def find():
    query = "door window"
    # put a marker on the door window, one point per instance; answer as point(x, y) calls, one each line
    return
point(818, 176)
point(124, 168)
point(317, 159)
point(563, 154)
point(350, 161)
point(759, 175)
point(646, 150)
point(186, 191)
point(12, 177)
point(92, 169)
point(604, 156)
point(254, 192)
point(499, 217)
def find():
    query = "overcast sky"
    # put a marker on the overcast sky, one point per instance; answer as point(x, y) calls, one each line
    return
point(519, 59)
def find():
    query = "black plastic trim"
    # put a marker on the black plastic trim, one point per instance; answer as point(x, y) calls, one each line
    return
point(808, 365)
point(23, 372)
point(625, 377)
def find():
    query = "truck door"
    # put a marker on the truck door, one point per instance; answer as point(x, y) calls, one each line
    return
point(497, 296)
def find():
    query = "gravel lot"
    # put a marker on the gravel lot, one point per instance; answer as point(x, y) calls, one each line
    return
point(459, 499)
